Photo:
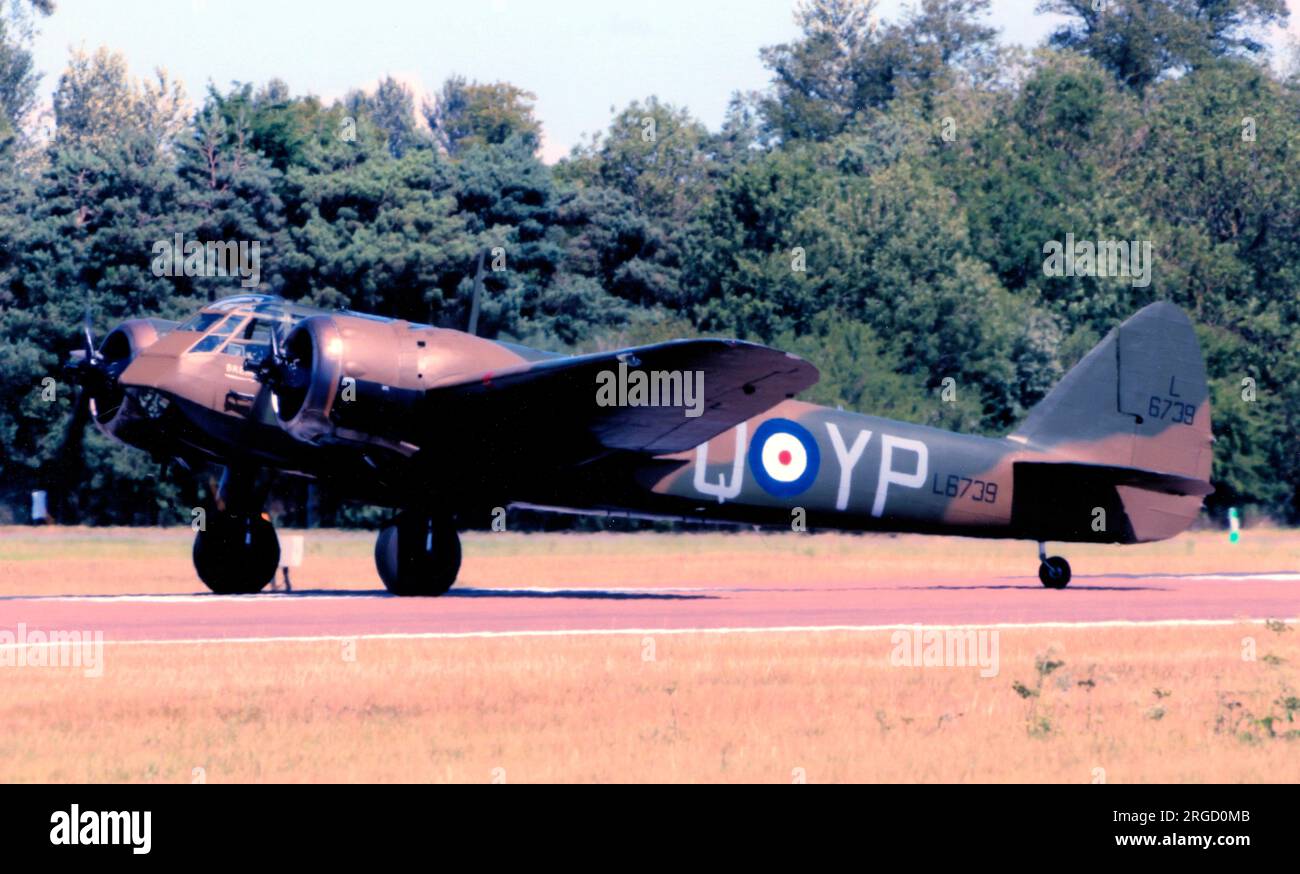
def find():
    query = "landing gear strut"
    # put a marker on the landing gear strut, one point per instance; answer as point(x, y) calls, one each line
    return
point(418, 554)
point(1054, 570)
point(236, 553)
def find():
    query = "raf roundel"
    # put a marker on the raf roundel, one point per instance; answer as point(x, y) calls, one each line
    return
point(784, 458)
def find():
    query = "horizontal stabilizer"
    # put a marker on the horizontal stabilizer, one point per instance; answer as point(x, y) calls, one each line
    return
point(1101, 503)
point(1109, 475)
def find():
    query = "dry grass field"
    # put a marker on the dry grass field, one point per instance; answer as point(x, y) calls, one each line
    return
point(1067, 705)
point(1142, 705)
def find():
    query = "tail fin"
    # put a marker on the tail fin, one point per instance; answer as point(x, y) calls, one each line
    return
point(1134, 415)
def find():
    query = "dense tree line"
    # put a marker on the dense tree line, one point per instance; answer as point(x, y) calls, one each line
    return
point(881, 208)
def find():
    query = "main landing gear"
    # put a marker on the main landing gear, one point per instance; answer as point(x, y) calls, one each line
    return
point(1054, 570)
point(236, 553)
point(418, 554)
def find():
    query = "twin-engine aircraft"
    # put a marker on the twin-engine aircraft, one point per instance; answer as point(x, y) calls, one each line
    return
point(440, 425)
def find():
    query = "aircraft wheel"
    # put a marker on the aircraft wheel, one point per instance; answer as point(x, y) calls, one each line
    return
point(418, 555)
point(1054, 572)
point(236, 554)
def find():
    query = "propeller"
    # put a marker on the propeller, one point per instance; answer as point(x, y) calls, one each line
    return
point(267, 371)
point(85, 371)
point(84, 367)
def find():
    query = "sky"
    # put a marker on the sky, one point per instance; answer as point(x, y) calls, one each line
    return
point(580, 57)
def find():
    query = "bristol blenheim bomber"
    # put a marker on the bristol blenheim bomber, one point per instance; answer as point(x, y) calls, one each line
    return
point(438, 424)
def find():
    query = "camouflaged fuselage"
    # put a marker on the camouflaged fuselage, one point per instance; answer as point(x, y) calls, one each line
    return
point(403, 414)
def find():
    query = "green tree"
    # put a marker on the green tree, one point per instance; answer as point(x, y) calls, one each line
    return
point(1140, 41)
point(467, 114)
point(509, 202)
point(392, 108)
point(18, 81)
point(639, 186)
point(107, 193)
point(655, 153)
point(1053, 163)
point(277, 125)
point(372, 232)
point(229, 195)
point(847, 64)
point(1217, 174)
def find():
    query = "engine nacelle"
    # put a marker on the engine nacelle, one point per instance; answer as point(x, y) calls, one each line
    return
point(306, 394)
point(354, 379)
point(118, 350)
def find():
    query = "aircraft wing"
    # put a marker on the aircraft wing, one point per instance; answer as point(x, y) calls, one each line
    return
point(732, 381)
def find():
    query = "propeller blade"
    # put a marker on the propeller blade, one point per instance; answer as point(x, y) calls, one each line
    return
point(87, 330)
point(75, 427)
point(263, 411)
point(275, 366)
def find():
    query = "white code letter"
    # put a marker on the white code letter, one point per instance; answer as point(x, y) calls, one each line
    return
point(889, 475)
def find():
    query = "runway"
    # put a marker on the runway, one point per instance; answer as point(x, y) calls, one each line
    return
point(796, 606)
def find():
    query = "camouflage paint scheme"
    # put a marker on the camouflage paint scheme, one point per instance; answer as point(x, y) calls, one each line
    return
point(408, 415)
point(1127, 431)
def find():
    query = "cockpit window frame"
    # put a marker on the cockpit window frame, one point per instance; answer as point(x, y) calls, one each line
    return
point(216, 336)
point(238, 309)
point(197, 324)
point(250, 347)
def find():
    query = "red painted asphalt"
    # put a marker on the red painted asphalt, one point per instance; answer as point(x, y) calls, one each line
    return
point(981, 602)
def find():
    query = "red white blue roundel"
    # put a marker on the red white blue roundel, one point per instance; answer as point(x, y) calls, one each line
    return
point(784, 458)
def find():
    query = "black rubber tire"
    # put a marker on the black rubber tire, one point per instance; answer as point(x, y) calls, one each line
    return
point(1054, 572)
point(236, 555)
point(418, 556)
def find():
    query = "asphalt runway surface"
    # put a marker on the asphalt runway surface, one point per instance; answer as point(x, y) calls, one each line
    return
point(1011, 601)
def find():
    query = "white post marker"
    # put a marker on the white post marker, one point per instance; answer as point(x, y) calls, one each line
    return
point(291, 546)
point(1234, 525)
point(40, 512)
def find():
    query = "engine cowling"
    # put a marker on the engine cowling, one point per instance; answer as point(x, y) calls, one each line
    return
point(306, 391)
point(116, 353)
point(350, 379)
point(355, 379)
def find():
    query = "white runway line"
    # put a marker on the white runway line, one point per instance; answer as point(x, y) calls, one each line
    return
point(196, 598)
point(309, 596)
point(317, 595)
point(612, 632)
point(1285, 578)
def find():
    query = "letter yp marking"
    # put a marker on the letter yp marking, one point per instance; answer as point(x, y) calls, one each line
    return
point(890, 475)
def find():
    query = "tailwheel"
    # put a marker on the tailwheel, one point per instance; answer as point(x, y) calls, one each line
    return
point(418, 554)
point(236, 554)
point(1054, 572)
